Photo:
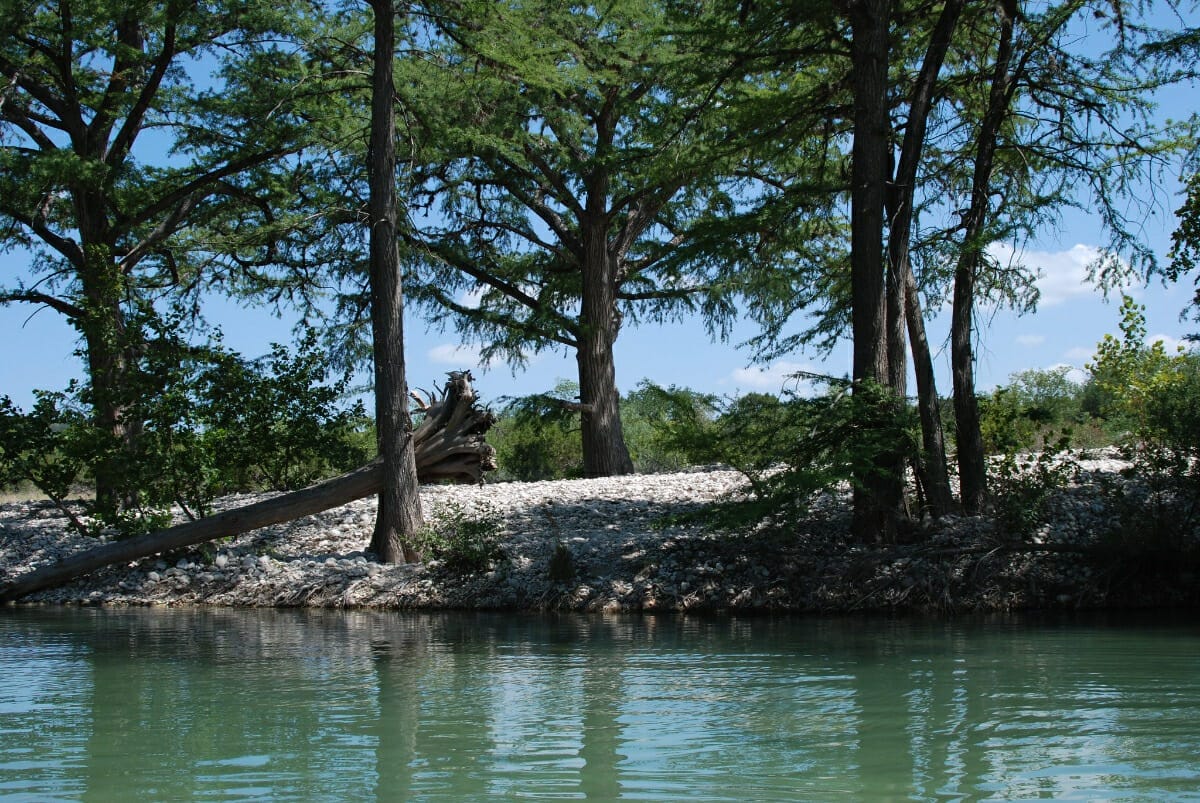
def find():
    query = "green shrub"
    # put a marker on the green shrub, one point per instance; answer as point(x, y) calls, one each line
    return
point(1021, 487)
point(464, 541)
point(1034, 410)
point(1155, 396)
point(648, 415)
point(537, 437)
point(793, 448)
point(206, 422)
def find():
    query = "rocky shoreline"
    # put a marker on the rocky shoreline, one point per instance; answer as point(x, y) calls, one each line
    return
point(631, 549)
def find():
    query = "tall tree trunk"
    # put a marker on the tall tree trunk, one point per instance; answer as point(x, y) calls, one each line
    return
point(935, 475)
point(901, 281)
point(874, 511)
point(110, 359)
point(972, 472)
point(399, 514)
point(971, 460)
point(604, 451)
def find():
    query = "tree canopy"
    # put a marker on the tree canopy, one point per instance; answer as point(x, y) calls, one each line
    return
point(586, 169)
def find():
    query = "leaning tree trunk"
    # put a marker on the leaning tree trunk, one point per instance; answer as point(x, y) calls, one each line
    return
point(971, 464)
point(398, 518)
point(972, 471)
point(934, 472)
point(932, 465)
point(449, 443)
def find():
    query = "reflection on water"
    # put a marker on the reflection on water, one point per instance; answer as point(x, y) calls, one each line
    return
point(292, 705)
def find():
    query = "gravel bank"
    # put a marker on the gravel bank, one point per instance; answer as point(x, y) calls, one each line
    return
point(625, 557)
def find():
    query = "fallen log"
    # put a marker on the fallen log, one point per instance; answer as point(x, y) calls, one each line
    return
point(297, 504)
point(450, 446)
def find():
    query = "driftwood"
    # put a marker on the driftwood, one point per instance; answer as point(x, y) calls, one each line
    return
point(450, 447)
point(449, 441)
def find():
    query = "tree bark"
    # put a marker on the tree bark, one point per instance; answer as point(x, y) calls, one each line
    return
point(901, 280)
point(972, 472)
point(604, 451)
point(874, 507)
point(935, 475)
point(449, 441)
point(107, 339)
point(398, 518)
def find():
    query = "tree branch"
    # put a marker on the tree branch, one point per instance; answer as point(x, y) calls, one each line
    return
point(461, 263)
point(166, 227)
point(198, 188)
point(34, 297)
point(63, 245)
point(133, 120)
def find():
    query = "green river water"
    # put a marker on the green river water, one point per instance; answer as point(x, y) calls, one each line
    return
point(120, 705)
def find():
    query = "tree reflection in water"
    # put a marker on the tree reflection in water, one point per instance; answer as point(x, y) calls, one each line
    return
point(325, 705)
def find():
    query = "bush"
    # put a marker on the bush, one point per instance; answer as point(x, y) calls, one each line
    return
point(537, 437)
point(465, 542)
point(1155, 396)
point(206, 422)
point(1034, 410)
point(277, 422)
point(1022, 487)
point(648, 415)
point(1152, 394)
point(793, 448)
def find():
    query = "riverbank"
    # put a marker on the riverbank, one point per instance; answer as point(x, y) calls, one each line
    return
point(632, 548)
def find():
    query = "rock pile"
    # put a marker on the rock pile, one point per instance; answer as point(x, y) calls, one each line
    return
point(631, 544)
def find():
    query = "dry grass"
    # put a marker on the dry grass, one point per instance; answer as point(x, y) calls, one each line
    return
point(26, 492)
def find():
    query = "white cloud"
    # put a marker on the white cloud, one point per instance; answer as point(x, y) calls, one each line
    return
point(771, 378)
point(472, 298)
point(460, 356)
point(1031, 341)
point(1062, 275)
point(1074, 373)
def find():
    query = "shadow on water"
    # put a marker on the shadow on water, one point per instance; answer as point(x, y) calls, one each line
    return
point(137, 704)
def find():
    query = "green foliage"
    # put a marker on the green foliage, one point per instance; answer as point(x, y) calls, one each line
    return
point(562, 565)
point(537, 437)
point(548, 126)
point(38, 447)
point(1155, 395)
point(465, 541)
point(1147, 390)
point(1185, 247)
point(648, 416)
point(1027, 413)
point(207, 423)
point(751, 433)
point(276, 422)
point(792, 448)
point(1022, 486)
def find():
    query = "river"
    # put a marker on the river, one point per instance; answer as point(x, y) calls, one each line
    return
point(209, 704)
